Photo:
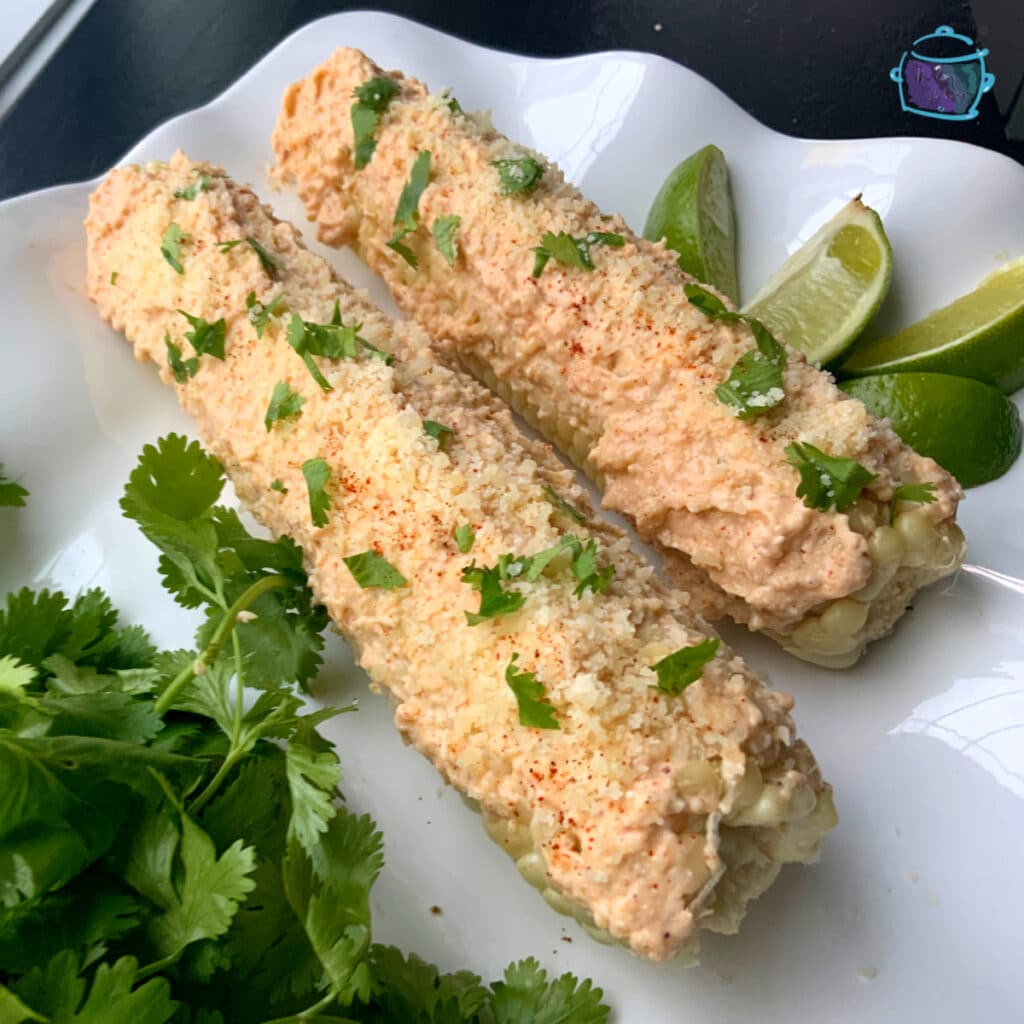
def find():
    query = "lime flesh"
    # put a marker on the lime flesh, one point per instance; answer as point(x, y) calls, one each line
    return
point(969, 428)
point(822, 297)
point(980, 335)
point(693, 212)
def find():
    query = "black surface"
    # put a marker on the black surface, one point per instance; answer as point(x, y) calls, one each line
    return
point(807, 67)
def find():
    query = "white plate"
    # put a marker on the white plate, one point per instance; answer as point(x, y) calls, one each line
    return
point(924, 741)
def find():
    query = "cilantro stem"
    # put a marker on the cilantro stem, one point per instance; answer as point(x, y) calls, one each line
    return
point(227, 625)
point(311, 1012)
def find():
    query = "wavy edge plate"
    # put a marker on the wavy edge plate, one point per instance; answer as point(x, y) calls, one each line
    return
point(887, 896)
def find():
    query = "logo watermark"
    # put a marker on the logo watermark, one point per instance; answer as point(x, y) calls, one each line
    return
point(943, 76)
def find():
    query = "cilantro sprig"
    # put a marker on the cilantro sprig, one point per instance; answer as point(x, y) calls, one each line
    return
point(11, 494)
point(518, 176)
point(678, 670)
point(407, 212)
point(535, 711)
point(183, 853)
point(372, 99)
point(569, 251)
point(259, 314)
point(373, 571)
point(202, 184)
point(827, 481)
point(754, 384)
point(332, 340)
point(317, 475)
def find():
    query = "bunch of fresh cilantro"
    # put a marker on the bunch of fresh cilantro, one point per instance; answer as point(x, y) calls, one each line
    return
point(173, 846)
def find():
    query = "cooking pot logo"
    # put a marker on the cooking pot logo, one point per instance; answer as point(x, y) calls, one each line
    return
point(943, 76)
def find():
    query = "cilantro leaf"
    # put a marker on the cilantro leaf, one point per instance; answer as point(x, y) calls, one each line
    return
point(494, 599)
point(527, 997)
point(260, 314)
point(408, 989)
point(407, 212)
point(678, 670)
point(332, 901)
point(14, 1011)
point(313, 779)
point(10, 492)
point(267, 262)
point(318, 475)
point(372, 99)
point(174, 864)
point(276, 485)
point(438, 431)
point(754, 384)
point(202, 184)
point(827, 481)
point(206, 338)
point(110, 715)
point(170, 246)
point(563, 506)
point(569, 251)
point(922, 494)
point(584, 569)
point(182, 369)
point(371, 570)
point(464, 538)
point(535, 711)
point(518, 176)
point(284, 403)
point(709, 304)
point(331, 340)
point(443, 230)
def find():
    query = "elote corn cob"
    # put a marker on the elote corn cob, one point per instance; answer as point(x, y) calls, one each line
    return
point(599, 348)
point(646, 815)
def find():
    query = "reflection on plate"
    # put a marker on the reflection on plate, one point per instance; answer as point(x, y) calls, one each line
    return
point(923, 740)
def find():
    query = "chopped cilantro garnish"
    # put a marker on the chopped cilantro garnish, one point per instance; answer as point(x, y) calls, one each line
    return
point(113, 277)
point(438, 431)
point(676, 671)
point(827, 481)
point(922, 494)
point(370, 570)
point(372, 99)
point(331, 341)
point(318, 475)
point(535, 711)
point(276, 485)
point(284, 403)
point(443, 231)
point(584, 568)
point(407, 212)
point(202, 184)
point(207, 339)
point(267, 261)
point(182, 369)
point(563, 506)
point(569, 251)
point(517, 176)
point(495, 600)
point(464, 538)
point(259, 314)
point(170, 247)
point(754, 384)
point(12, 494)
point(710, 305)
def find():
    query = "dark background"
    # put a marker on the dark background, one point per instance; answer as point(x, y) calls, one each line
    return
point(815, 68)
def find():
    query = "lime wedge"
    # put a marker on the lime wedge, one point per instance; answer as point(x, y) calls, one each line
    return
point(826, 292)
point(980, 335)
point(693, 213)
point(970, 429)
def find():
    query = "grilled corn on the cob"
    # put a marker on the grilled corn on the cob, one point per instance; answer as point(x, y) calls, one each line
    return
point(617, 368)
point(645, 815)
